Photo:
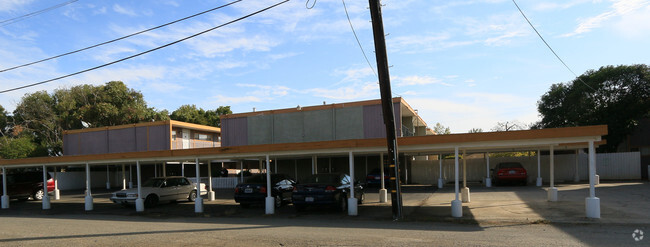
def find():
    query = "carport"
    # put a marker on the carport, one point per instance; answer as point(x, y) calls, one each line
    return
point(545, 139)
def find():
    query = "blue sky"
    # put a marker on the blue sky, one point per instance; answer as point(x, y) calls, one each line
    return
point(465, 64)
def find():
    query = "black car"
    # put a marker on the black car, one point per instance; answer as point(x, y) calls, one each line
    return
point(374, 177)
point(23, 185)
point(331, 189)
point(253, 190)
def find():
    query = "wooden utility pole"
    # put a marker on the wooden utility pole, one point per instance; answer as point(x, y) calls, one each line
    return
point(387, 107)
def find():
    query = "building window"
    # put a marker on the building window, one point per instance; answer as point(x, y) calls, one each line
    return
point(173, 135)
point(202, 137)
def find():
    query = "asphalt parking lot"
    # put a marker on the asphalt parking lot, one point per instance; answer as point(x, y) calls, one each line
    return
point(621, 203)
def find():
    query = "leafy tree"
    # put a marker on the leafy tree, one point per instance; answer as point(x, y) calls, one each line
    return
point(441, 130)
point(4, 121)
point(192, 114)
point(475, 130)
point(45, 116)
point(618, 96)
point(17, 148)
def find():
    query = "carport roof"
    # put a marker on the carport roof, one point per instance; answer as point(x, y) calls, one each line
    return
point(543, 139)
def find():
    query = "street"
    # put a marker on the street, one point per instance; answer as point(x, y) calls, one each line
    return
point(104, 230)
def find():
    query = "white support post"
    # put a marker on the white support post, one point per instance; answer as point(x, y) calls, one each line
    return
point(592, 203)
point(539, 169)
point(123, 177)
point(211, 196)
point(456, 205)
point(155, 170)
point(198, 202)
point(5, 197)
point(270, 201)
point(164, 169)
point(241, 171)
point(441, 180)
point(276, 165)
point(314, 165)
point(139, 203)
point(108, 177)
point(383, 193)
point(465, 191)
point(352, 201)
point(183, 169)
point(57, 194)
point(552, 191)
point(46, 197)
point(576, 175)
point(89, 194)
point(488, 180)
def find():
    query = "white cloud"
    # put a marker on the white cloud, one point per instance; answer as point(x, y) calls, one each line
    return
point(228, 100)
point(283, 55)
point(165, 87)
point(417, 81)
point(123, 10)
point(355, 91)
point(13, 5)
point(619, 8)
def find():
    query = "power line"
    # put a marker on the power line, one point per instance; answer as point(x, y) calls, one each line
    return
point(549, 47)
point(25, 16)
point(148, 51)
point(357, 38)
point(121, 38)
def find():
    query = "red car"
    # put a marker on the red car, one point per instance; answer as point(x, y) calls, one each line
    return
point(509, 172)
point(25, 185)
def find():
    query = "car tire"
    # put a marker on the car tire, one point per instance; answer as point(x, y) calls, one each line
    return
point(192, 196)
point(343, 203)
point(277, 201)
point(151, 201)
point(38, 195)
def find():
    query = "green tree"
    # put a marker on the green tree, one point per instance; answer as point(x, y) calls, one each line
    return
point(475, 130)
point(439, 129)
point(45, 116)
point(17, 148)
point(618, 96)
point(4, 121)
point(192, 114)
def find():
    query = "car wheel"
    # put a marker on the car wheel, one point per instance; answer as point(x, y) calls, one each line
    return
point(278, 201)
point(343, 203)
point(38, 195)
point(192, 196)
point(151, 201)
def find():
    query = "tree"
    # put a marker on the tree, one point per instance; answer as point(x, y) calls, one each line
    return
point(509, 126)
point(618, 96)
point(16, 148)
point(45, 116)
point(439, 129)
point(475, 130)
point(4, 121)
point(192, 114)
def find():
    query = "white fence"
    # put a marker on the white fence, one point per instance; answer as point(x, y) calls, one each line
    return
point(608, 166)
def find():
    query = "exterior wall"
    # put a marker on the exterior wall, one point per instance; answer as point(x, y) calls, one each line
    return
point(142, 138)
point(344, 123)
point(608, 166)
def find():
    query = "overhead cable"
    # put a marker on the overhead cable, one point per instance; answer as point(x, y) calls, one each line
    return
point(25, 16)
point(145, 52)
point(357, 38)
point(120, 38)
point(549, 47)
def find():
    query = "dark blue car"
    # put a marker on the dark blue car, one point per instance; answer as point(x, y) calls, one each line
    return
point(331, 189)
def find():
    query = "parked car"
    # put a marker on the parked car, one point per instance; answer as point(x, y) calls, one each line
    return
point(253, 190)
point(509, 172)
point(25, 185)
point(159, 189)
point(331, 189)
point(374, 177)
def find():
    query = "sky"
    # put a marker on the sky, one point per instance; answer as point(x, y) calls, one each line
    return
point(464, 64)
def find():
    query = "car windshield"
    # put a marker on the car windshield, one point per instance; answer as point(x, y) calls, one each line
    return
point(323, 179)
point(154, 182)
point(510, 165)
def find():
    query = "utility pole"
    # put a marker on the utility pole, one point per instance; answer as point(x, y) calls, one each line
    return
point(387, 107)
